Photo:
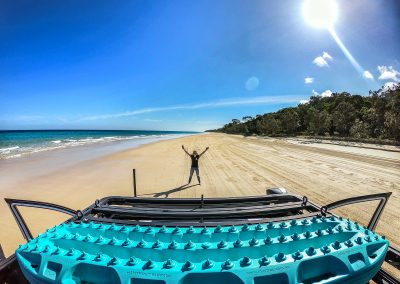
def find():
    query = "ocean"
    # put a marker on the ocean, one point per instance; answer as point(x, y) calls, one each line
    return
point(18, 143)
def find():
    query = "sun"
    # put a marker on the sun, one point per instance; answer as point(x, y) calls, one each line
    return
point(320, 13)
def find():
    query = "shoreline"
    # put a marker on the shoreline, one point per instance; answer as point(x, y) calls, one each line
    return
point(46, 162)
point(26, 147)
point(234, 166)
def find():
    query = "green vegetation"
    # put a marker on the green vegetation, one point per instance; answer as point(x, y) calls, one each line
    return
point(375, 117)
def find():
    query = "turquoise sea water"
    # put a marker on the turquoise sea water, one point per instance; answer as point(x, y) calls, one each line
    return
point(15, 144)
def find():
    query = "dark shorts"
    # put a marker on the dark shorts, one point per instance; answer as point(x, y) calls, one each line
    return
point(194, 169)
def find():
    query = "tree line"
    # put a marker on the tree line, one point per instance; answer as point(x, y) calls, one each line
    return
point(376, 116)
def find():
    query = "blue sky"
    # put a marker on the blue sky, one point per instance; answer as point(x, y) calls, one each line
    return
point(182, 65)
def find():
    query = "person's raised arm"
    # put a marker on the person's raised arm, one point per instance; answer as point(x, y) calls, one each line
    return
point(185, 150)
point(204, 151)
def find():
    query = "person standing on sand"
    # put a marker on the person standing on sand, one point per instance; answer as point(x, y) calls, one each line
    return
point(195, 163)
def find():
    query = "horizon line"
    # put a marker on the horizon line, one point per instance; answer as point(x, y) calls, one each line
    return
point(82, 129)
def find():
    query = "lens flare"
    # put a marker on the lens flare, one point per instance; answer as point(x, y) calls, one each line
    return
point(346, 52)
point(323, 14)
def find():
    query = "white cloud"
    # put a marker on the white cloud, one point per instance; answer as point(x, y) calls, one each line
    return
point(327, 93)
point(324, 94)
point(388, 73)
point(302, 102)
point(367, 75)
point(264, 100)
point(389, 86)
point(322, 60)
point(308, 80)
point(327, 56)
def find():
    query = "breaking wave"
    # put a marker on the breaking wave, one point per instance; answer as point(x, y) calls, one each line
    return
point(32, 148)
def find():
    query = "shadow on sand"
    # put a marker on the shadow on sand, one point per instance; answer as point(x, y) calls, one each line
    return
point(177, 189)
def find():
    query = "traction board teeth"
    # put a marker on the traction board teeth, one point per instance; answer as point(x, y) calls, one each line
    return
point(181, 250)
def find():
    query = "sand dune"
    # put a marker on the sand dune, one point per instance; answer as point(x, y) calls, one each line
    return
point(233, 166)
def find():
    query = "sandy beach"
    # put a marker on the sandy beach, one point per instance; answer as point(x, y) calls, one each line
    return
point(234, 166)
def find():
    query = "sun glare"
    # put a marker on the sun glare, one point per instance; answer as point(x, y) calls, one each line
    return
point(320, 13)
